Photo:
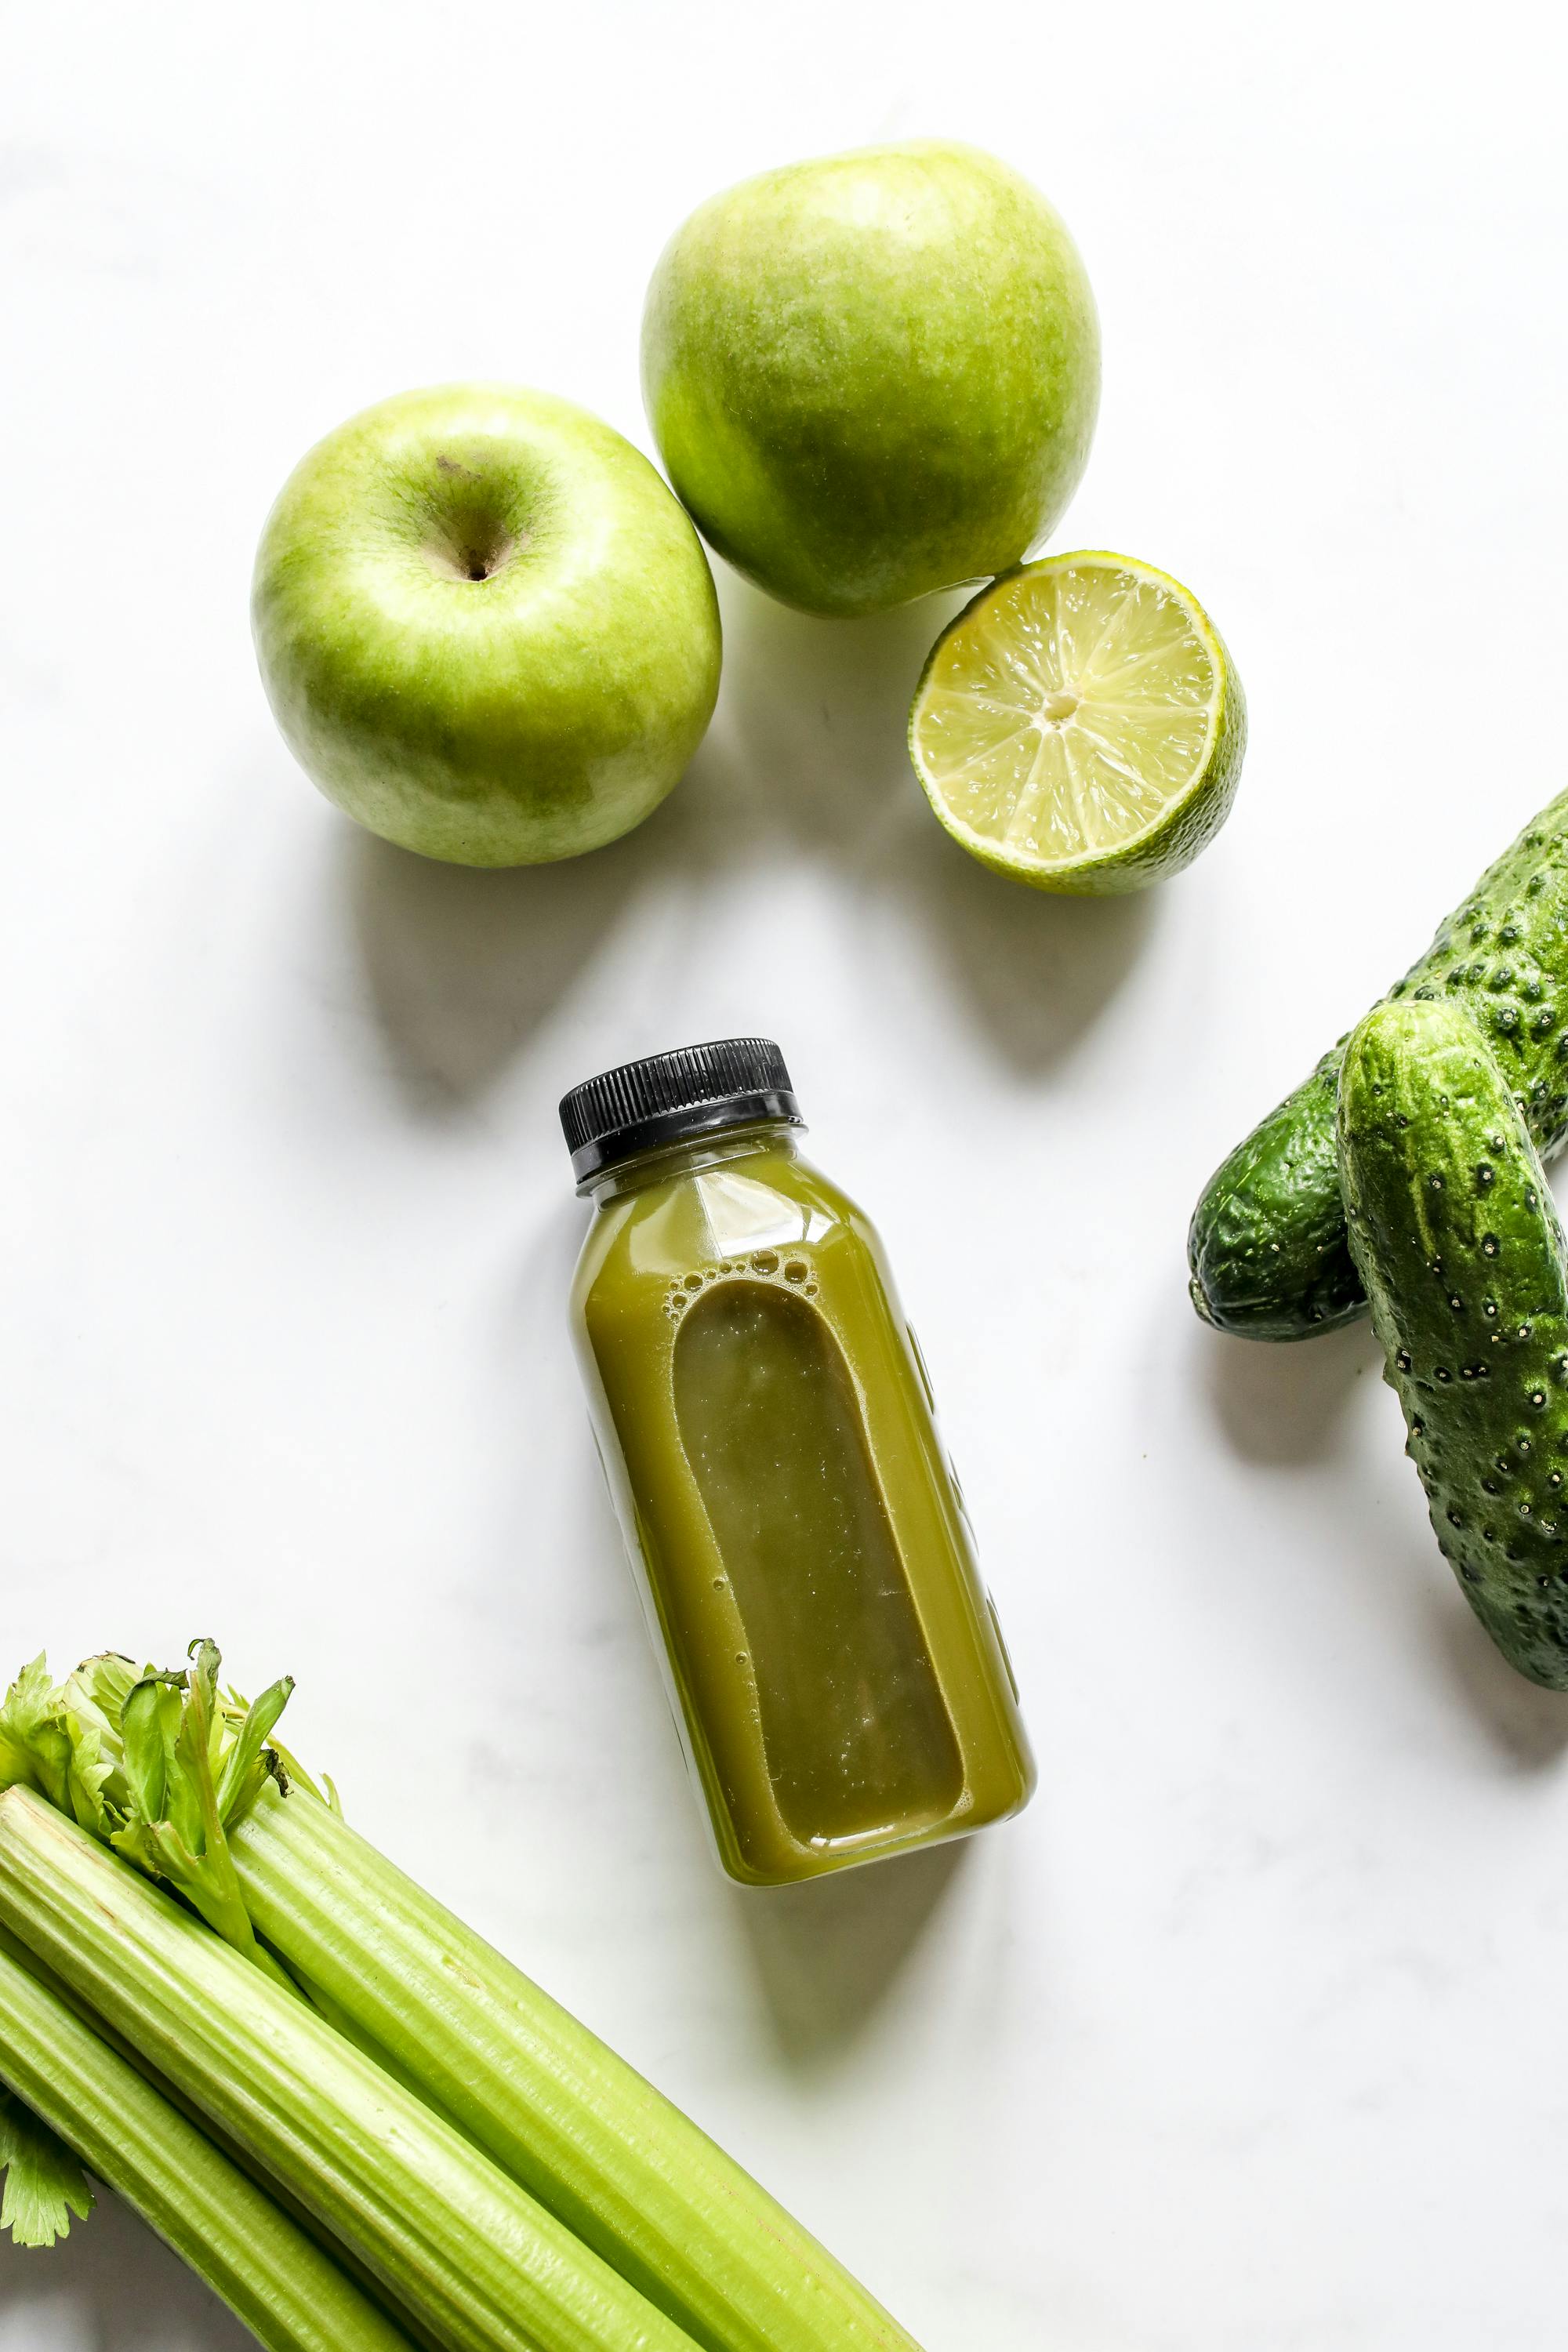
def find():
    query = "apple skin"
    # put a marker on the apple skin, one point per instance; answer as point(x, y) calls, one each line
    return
point(873, 375)
point(486, 628)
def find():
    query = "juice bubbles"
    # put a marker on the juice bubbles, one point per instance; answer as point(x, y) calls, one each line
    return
point(767, 1429)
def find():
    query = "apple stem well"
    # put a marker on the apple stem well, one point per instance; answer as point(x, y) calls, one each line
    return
point(470, 535)
point(474, 555)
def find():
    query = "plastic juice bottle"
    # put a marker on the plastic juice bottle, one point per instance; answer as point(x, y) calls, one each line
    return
point(767, 1428)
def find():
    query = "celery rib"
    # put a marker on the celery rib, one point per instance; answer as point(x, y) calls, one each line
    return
point(182, 1783)
point(291, 2296)
point(613, 2158)
point(447, 2233)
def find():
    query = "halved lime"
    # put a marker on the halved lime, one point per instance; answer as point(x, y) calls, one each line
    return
point(1080, 725)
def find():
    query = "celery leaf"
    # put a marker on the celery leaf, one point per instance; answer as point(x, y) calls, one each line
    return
point(44, 2184)
point(35, 1747)
point(156, 1765)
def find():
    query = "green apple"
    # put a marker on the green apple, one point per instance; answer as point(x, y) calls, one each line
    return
point(873, 375)
point(486, 628)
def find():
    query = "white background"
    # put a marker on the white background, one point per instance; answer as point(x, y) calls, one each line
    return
point(1252, 2035)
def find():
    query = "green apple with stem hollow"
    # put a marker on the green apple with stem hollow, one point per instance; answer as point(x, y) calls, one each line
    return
point(875, 374)
point(486, 628)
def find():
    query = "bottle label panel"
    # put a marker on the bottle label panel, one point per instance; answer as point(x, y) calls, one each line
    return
point(855, 1729)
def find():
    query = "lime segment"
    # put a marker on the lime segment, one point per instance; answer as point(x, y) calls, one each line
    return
point(1080, 725)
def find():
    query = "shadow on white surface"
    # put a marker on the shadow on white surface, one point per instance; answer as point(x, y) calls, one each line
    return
point(113, 2286)
point(806, 759)
point(828, 1953)
point(1037, 971)
point(816, 714)
point(1526, 1725)
point(1289, 1408)
point(464, 966)
point(1286, 1402)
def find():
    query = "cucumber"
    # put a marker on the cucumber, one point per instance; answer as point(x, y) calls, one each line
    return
point(1457, 1240)
point(1266, 1249)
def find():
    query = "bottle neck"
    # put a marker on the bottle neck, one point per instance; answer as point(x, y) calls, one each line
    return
point(689, 1158)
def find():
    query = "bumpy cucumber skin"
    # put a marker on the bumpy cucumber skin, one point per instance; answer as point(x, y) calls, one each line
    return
point(1458, 1242)
point(1266, 1248)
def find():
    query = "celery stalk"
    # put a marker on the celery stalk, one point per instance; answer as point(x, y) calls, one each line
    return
point(184, 1784)
point(290, 2295)
point(449, 2236)
point(592, 2139)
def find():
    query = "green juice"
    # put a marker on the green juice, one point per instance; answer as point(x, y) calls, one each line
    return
point(768, 1434)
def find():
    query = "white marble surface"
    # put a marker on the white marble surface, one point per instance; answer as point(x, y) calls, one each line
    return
point(1250, 2037)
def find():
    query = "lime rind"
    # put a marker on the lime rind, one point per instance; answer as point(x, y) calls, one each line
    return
point(1079, 726)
